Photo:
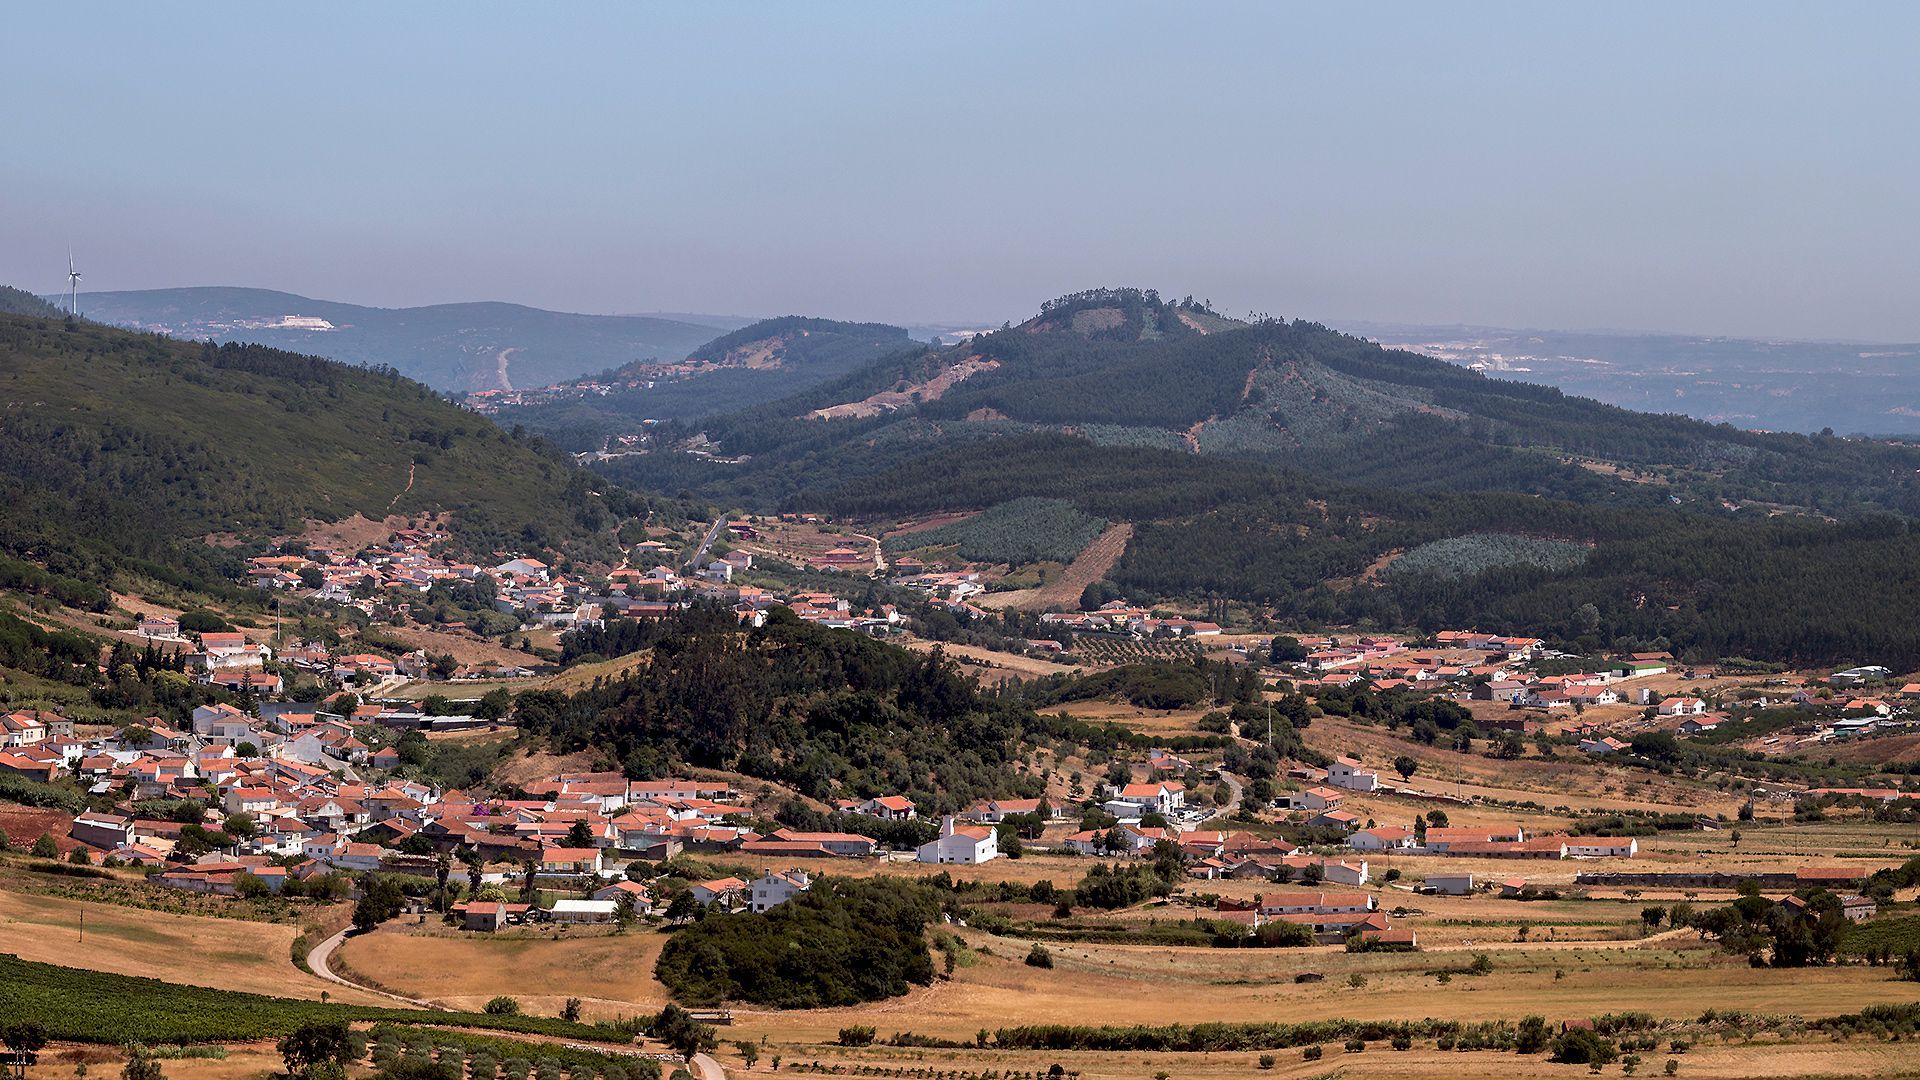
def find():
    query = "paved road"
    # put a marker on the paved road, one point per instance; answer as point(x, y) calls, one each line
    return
point(712, 535)
point(1233, 785)
point(708, 1069)
point(319, 956)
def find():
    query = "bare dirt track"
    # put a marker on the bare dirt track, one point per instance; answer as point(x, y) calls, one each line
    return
point(1094, 562)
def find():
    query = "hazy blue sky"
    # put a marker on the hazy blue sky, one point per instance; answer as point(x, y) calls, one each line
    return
point(1745, 169)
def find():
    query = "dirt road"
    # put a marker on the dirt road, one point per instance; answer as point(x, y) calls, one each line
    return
point(318, 959)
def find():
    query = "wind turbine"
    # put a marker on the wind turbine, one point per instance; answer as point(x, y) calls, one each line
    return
point(73, 286)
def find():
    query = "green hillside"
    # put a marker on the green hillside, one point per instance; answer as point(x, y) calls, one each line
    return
point(21, 302)
point(1284, 465)
point(119, 450)
point(1126, 368)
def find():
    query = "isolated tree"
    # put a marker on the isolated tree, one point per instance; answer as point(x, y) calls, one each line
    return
point(677, 1028)
point(140, 1065)
point(380, 900)
point(1405, 766)
point(24, 1038)
point(320, 1050)
point(474, 868)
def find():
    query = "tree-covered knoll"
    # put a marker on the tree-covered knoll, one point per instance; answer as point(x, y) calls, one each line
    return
point(798, 339)
point(822, 711)
point(840, 943)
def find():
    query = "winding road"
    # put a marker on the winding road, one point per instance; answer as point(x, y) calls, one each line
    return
point(1239, 792)
point(320, 955)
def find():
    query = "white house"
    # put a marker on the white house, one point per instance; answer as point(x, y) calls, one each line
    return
point(1346, 772)
point(961, 844)
point(1315, 798)
point(1682, 706)
point(223, 724)
point(1602, 847)
point(526, 569)
point(1607, 745)
point(723, 890)
point(771, 890)
point(1157, 797)
point(1384, 838)
point(1332, 871)
point(886, 807)
point(641, 895)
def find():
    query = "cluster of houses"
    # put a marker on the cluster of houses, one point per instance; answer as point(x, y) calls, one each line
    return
point(1118, 617)
point(1330, 916)
point(1490, 842)
point(34, 744)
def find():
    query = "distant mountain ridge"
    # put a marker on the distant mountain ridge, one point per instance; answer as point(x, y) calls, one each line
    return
point(451, 347)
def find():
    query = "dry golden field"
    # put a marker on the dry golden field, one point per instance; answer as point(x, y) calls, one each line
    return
point(1736, 1061)
point(1671, 975)
point(611, 973)
point(229, 954)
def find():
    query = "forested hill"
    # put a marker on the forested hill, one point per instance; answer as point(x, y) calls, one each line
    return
point(822, 711)
point(119, 451)
point(455, 347)
point(21, 302)
point(1122, 367)
point(1290, 468)
point(798, 340)
point(762, 362)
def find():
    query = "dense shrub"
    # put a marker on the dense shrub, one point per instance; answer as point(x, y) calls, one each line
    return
point(838, 944)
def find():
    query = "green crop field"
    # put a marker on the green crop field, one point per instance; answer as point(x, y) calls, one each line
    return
point(1022, 531)
point(100, 1007)
point(1476, 553)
